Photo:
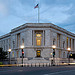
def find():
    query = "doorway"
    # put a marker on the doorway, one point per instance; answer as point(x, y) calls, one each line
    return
point(38, 53)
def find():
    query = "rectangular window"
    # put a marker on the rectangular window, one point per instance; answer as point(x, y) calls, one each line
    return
point(38, 42)
point(38, 39)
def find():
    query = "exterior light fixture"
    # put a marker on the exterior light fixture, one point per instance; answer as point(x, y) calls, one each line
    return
point(54, 46)
point(68, 55)
point(22, 47)
point(9, 50)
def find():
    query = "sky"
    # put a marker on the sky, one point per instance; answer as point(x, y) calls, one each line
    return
point(14, 13)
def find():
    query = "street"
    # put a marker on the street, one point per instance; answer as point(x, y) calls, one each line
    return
point(54, 70)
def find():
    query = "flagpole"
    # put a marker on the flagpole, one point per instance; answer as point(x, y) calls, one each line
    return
point(38, 13)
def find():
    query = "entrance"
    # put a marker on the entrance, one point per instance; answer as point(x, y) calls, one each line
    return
point(38, 53)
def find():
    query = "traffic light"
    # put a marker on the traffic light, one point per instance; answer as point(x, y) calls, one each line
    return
point(23, 53)
point(71, 54)
point(53, 52)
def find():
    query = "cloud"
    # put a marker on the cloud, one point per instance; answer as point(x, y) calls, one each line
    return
point(3, 9)
point(16, 12)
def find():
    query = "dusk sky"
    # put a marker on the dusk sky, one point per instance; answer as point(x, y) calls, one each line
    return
point(14, 13)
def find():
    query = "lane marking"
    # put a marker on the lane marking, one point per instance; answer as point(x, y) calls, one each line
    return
point(20, 70)
point(59, 72)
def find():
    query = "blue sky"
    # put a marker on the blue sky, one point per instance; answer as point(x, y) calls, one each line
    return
point(14, 13)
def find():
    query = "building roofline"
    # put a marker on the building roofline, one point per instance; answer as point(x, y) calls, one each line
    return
point(4, 36)
point(45, 25)
point(38, 25)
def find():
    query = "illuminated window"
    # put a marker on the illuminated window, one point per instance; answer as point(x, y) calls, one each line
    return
point(38, 39)
point(38, 35)
point(38, 42)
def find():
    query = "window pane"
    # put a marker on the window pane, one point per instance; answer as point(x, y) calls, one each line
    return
point(38, 39)
point(38, 42)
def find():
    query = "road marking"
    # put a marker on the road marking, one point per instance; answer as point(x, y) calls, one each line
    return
point(58, 72)
point(20, 70)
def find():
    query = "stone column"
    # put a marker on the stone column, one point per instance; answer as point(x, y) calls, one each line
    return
point(61, 41)
point(47, 37)
point(68, 42)
point(33, 37)
point(71, 44)
point(15, 41)
point(51, 38)
point(43, 37)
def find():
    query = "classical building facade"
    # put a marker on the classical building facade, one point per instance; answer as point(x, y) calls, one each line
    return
point(38, 39)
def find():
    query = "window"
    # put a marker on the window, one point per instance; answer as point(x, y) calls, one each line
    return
point(53, 41)
point(22, 41)
point(12, 54)
point(63, 44)
point(38, 39)
point(38, 42)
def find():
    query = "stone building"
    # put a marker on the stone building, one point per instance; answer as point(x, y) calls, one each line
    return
point(38, 39)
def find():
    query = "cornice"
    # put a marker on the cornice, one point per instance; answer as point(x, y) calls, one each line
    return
point(38, 25)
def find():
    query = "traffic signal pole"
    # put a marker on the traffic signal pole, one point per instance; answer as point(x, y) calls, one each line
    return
point(53, 57)
point(22, 56)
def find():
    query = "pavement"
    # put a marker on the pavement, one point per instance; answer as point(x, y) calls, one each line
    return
point(53, 70)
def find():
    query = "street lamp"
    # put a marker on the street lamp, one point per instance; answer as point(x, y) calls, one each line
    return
point(22, 47)
point(68, 55)
point(54, 47)
point(9, 50)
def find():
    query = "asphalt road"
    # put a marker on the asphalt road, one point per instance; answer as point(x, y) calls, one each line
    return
point(54, 70)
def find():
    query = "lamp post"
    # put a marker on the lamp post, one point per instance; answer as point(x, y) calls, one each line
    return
point(22, 47)
point(68, 55)
point(54, 47)
point(9, 50)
